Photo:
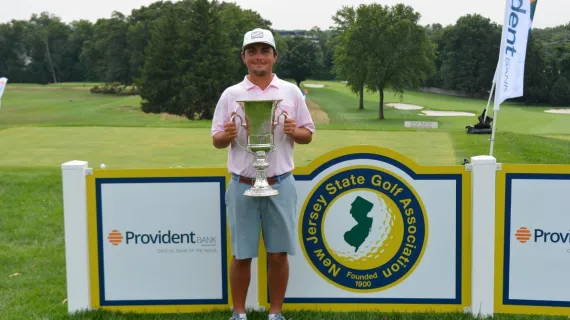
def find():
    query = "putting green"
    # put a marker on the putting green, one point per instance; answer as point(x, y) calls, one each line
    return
point(190, 147)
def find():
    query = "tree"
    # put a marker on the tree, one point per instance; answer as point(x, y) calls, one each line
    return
point(47, 39)
point(106, 54)
point(301, 59)
point(235, 22)
point(140, 24)
point(159, 84)
point(560, 93)
point(397, 50)
point(536, 80)
point(13, 50)
point(81, 31)
point(435, 33)
point(324, 70)
point(206, 60)
point(470, 54)
point(349, 51)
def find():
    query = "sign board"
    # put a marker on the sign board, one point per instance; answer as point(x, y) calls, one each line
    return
point(533, 237)
point(377, 231)
point(421, 124)
point(155, 243)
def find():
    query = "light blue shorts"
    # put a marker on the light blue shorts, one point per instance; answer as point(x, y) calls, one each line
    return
point(274, 217)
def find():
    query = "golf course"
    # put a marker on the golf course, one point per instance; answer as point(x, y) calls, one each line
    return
point(43, 126)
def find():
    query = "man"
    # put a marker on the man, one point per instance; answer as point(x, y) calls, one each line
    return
point(276, 214)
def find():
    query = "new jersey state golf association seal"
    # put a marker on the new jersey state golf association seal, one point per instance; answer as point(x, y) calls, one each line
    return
point(363, 229)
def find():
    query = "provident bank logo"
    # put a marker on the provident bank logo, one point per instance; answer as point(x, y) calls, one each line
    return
point(115, 237)
point(523, 235)
point(363, 229)
point(195, 242)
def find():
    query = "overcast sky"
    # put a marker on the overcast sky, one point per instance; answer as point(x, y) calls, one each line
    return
point(293, 14)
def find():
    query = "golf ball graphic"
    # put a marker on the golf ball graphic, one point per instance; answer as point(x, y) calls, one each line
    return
point(363, 229)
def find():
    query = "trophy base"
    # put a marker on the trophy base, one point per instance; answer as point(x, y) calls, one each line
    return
point(261, 192)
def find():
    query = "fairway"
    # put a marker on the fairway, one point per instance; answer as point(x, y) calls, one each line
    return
point(73, 105)
point(43, 126)
point(342, 107)
point(173, 147)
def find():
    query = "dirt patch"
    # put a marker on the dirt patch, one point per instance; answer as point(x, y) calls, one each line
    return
point(128, 109)
point(163, 116)
point(166, 116)
point(49, 88)
point(318, 115)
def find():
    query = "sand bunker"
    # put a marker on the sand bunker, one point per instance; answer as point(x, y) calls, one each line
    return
point(311, 85)
point(447, 114)
point(403, 106)
point(560, 111)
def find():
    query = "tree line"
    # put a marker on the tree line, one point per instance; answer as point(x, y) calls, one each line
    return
point(180, 56)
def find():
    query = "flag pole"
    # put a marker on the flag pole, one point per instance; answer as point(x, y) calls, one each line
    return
point(493, 88)
point(3, 83)
point(489, 102)
point(493, 132)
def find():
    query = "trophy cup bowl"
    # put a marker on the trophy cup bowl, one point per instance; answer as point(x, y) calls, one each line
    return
point(260, 122)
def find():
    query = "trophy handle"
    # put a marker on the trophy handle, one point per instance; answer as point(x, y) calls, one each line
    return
point(243, 125)
point(275, 124)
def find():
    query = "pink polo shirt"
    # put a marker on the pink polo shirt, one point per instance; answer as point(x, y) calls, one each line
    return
point(281, 160)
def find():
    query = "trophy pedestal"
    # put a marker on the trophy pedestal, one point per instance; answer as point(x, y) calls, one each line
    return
point(260, 122)
point(261, 187)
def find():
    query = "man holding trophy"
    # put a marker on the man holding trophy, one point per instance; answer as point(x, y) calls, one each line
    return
point(260, 119)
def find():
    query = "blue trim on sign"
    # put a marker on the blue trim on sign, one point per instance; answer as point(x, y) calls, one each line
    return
point(373, 156)
point(509, 177)
point(102, 299)
point(459, 233)
point(459, 236)
point(371, 300)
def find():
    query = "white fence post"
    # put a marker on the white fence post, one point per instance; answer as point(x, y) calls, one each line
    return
point(484, 170)
point(76, 244)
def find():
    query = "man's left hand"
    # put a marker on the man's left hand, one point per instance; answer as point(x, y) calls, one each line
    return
point(290, 127)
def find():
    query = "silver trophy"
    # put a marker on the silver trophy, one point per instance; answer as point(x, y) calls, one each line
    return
point(260, 124)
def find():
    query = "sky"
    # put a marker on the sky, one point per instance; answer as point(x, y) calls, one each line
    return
point(293, 14)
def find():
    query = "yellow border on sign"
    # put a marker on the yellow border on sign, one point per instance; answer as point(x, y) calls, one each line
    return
point(500, 237)
point(93, 244)
point(418, 169)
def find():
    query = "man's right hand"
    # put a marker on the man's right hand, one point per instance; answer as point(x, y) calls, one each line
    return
point(224, 139)
point(230, 129)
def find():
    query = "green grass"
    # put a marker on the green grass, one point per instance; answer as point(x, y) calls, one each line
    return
point(44, 126)
point(342, 107)
point(74, 105)
point(308, 315)
point(524, 134)
point(31, 244)
point(189, 147)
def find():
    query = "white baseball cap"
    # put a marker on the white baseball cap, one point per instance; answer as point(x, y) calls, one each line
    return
point(259, 36)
